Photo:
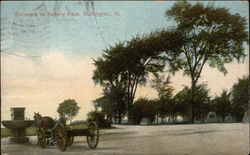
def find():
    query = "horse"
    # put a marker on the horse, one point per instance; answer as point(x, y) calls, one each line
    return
point(45, 122)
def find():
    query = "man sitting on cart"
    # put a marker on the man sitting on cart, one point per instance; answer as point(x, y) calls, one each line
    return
point(53, 130)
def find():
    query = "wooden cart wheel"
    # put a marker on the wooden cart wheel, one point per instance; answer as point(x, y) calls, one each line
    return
point(70, 140)
point(93, 139)
point(61, 137)
point(41, 137)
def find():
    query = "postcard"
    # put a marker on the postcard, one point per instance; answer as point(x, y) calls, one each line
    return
point(125, 77)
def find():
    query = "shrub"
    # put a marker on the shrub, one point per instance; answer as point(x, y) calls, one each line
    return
point(99, 118)
point(143, 108)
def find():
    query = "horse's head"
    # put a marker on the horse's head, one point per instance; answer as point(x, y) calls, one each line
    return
point(37, 116)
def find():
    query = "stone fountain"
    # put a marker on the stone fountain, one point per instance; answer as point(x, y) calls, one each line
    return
point(17, 125)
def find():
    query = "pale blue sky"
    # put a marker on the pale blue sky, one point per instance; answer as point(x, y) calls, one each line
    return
point(81, 35)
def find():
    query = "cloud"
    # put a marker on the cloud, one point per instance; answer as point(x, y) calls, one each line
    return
point(41, 84)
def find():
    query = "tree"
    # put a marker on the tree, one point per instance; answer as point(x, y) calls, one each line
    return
point(162, 86)
point(202, 98)
point(203, 104)
point(108, 74)
point(143, 108)
point(109, 106)
point(137, 59)
point(68, 109)
point(127, 65)
point(240, 97)
point(182, 102)
point(106, 105)
point(222, 104)
point(211, 35)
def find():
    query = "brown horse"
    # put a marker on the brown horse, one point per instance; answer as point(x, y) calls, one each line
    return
point(45, 122)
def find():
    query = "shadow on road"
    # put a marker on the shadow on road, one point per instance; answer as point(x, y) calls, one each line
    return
point(77, 148)
point(185, 132)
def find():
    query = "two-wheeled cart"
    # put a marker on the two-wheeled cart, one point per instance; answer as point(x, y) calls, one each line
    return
point(65, 136)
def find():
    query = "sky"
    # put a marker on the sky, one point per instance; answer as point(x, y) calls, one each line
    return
point(48, 49)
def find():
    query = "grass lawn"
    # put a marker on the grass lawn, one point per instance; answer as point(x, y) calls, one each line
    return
point(5, 132)
point(31, 131)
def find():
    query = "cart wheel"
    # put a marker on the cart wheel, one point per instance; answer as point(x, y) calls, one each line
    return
point(93, 139)
point(70, 139)
point(61, 138)
point(41, 137)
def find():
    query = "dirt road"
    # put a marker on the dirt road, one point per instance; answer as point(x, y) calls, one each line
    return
point(199, 139)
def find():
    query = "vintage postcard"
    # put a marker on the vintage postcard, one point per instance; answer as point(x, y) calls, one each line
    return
point(125, 77)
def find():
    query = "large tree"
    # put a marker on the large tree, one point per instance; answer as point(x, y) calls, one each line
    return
point(211, 35)
point(127, 65)
point(68, 108)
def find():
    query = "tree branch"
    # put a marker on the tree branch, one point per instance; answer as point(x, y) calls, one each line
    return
point(199, 73)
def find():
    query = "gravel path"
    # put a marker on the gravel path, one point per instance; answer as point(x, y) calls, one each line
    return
point(198, 139)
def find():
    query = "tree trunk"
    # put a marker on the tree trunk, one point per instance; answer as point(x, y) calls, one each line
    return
point(119, 118)
point(115, 118)
point(129, 112)
point(192, 101)
point(156, 119)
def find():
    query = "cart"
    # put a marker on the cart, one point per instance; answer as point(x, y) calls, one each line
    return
point(65, 136)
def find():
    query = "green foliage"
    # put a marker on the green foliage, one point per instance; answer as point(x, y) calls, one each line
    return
point(99, 118)
point(68, 109)
point(240, 96)
point(79, 126)
point(5, 132)
point(107, 105)
point(112, 103)
point(162, 86)
point(164, 105)
point(202, 101)
point(182, 101)
point(202, 34)
point(222, 104)
point(127, 65)
point(143, 108)
point(31, 131)
point(202, 105)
